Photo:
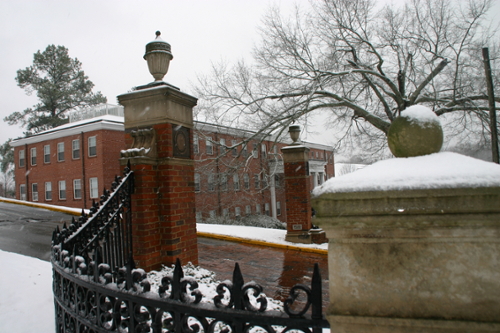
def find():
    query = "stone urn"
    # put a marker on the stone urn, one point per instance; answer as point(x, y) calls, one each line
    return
point(158, 56)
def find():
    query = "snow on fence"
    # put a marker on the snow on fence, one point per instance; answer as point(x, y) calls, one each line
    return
point(97, 288)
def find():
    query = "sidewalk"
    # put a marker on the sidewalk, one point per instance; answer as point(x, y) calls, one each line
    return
point(232, 233)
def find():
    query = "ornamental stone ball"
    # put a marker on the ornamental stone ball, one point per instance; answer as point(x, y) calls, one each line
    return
point(416, 132)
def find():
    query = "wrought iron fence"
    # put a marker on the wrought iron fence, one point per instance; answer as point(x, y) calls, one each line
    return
point(98, 289)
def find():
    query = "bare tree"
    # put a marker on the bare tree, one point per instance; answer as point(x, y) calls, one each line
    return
point(361, 66)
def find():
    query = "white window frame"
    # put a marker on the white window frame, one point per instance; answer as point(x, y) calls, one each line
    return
point(46, 154)
point(92, 146)
point(236, 182)
point(34, 192)
point(22, 192)
point(33, 156)
point(48, 191)
point(258, 209)
point(77, 186)
point(196, 144)
point(197, 184)
point(248, 210)
point(94, 188)
point(209, 146)
point(278, 208)
point(22, 158)
point(60, 152)
point(75, 149)
point(246, 181)
point(62, 190)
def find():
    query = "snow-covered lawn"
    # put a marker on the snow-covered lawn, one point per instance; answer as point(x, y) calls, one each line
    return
point(26, 301)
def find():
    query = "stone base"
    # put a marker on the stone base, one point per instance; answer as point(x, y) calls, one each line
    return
point(313, 236)
point(355, 324)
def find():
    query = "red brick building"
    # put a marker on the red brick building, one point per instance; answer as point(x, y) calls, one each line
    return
point(236, 172)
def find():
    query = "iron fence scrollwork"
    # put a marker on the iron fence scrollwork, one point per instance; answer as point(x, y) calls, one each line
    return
point(98, 289)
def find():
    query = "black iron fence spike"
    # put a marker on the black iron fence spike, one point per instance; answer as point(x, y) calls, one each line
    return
point(176, 283)
point(237, 292)
point(316, 294)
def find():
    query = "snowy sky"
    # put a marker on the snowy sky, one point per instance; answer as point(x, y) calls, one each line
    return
point(109, 37)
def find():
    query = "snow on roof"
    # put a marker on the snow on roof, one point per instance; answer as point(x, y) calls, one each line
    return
point(108, 122)
point(440, 170)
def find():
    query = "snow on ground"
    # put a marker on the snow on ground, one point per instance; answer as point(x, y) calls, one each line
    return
point(26, 301)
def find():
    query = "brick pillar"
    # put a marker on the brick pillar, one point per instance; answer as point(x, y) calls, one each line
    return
point(158, 137)
point(297, 189)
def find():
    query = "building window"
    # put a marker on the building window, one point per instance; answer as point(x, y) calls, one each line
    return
point(34, 192)
point(196, 146)
point(244, 150)
point(225, 212)
point(246, 180)
point(248, 210)
point(236, 182)
point(237, 212)
point(255, 152)
point(92, 146)
point(257, 209)
point(77, 189)
point(60, 151)
point(211, 214)
point(62, 190)
point(210, 147)
point(263, 150)
point(33, 156)
point(211, 186)
point(21, 158)
point(75, 146)
point(223, 182)
point(48, 191)
point(278, 208)
point(46, 154)
point(257, 181)
point(234, 149)
point(199, 217)
point(265, 184)
point(22, 192)
point(266, 209)
point(94, 192)
point(197, 182)
point(222, 148)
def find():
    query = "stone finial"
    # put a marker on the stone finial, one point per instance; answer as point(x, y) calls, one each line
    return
point(158, 55)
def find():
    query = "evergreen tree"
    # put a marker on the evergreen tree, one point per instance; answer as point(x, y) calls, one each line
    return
point(60, 85)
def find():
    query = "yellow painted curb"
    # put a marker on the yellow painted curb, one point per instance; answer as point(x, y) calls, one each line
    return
point(262, 243)
point(201, 234)
point(31, 204)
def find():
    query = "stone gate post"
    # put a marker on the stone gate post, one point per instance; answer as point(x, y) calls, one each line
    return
point(298, 193)
point(158, 136)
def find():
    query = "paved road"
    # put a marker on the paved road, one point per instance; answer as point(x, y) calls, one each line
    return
point(28, 230)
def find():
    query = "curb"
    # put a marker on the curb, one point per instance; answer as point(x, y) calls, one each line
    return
point(261, 243)
point(31, 204)
point(200, 234)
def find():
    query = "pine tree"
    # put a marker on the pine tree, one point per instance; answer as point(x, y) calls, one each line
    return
point(60, 85)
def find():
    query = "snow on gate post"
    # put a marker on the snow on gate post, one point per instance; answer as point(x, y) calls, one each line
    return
point(414, 242)
point(158, 137)
point(298, 193)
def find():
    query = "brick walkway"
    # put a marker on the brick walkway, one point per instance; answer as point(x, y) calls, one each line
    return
point(275, 269)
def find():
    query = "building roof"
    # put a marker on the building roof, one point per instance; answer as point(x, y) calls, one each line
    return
point(106, 122)
point(115, 123)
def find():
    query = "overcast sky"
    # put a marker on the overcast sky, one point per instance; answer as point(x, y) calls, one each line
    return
point(109, 38)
